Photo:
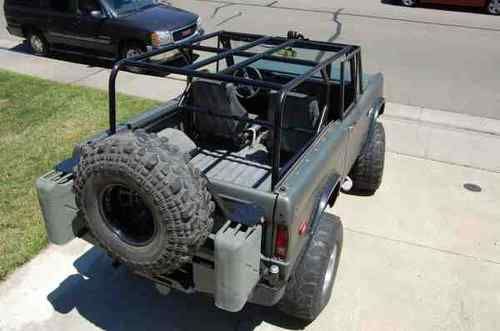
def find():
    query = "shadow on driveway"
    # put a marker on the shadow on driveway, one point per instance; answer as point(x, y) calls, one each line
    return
point(114, 299)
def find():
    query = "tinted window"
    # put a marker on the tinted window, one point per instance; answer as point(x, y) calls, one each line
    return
point(60, 6)
point(126, 6)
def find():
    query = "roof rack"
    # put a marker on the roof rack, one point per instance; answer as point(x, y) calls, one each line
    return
point(224, 51)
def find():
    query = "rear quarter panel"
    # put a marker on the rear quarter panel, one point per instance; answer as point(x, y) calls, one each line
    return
point(301, 193)
point(319, 169)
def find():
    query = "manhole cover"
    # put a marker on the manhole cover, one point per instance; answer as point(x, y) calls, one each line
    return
point(472, 187)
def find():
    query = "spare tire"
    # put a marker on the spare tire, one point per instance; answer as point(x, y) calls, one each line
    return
point(142, 202)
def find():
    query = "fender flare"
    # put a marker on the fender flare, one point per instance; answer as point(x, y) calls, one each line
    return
point(378, 110)
point(327, 198)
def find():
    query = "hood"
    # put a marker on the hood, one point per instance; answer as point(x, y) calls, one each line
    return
point(158, 18)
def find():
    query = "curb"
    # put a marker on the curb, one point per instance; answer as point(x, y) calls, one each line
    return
point(443, 136)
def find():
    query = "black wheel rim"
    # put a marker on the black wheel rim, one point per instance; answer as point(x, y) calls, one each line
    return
point(127, 215)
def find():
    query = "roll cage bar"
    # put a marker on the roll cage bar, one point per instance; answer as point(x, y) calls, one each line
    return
point(224, 51)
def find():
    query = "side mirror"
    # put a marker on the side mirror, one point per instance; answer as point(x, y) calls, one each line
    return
point(97, 14)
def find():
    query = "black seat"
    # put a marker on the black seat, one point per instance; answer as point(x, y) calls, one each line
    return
point(299, 120)
point(218, 98)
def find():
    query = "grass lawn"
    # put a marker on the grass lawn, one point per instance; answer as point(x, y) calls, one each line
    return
point(40, 121)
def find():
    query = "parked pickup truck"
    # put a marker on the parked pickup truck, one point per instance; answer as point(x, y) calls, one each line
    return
point(225, 189)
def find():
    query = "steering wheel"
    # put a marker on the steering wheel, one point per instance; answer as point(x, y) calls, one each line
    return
point(246, 91)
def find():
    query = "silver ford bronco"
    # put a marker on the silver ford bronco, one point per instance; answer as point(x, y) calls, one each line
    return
point(224, 189)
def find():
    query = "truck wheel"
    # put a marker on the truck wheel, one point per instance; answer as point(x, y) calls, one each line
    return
point(494, 7)
point(142, 202)
point(37, 43)
point(409, 3)
point(130, 49)
point(369, 168)
point(310, 286)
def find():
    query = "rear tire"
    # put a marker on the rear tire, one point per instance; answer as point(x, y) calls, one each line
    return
point(310, 287)
point(493, 7)
point(409, 3)
point(37, 43)
point(368, 170)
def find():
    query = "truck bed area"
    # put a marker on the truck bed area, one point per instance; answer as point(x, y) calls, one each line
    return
point(249, 167)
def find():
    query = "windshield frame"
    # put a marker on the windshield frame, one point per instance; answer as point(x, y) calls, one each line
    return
point(118, 13)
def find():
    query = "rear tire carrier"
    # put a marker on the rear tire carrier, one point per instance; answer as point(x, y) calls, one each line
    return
point(142, 202)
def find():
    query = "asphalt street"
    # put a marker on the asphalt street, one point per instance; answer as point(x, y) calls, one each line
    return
point(436, 57)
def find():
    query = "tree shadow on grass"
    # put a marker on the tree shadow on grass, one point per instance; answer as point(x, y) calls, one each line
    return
point(114, 299)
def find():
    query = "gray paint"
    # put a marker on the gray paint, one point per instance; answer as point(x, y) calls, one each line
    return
point(237, 265)
point(58, 206)
point(248, 167)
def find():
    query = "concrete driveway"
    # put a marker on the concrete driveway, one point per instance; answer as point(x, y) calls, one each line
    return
point(422, 254)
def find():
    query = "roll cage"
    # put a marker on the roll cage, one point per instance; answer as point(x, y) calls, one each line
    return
point(223, 51)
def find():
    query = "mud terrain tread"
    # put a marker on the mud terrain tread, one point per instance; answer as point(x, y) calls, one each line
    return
point(178, 192)
point(368, 170)
point(304, 298)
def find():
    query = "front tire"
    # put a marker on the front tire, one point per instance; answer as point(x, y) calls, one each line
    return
point(368, 170)
point(131, 49)
point(37, 43)
point(310, 287)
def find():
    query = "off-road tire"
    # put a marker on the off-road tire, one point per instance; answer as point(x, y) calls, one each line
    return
point(175, 193)
point(368, 170)
point(309, 288)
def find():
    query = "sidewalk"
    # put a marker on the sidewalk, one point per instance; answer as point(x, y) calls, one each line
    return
point(425, 133)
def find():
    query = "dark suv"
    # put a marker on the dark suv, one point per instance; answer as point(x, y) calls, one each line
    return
point(116, 28)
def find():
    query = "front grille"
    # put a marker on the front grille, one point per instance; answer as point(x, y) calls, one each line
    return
point(184, 32)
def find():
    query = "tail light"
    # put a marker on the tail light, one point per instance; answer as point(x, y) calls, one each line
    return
point(281, 242)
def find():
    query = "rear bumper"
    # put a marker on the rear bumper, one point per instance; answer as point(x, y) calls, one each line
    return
point(231, 271)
